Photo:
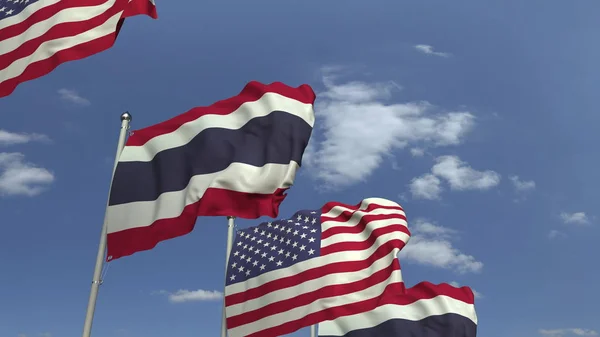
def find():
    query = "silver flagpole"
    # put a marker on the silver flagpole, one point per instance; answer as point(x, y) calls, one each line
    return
point(313, 330)
point(96, 281)
point(230, 232)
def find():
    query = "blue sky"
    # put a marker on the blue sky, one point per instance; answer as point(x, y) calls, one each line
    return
point(497, 90)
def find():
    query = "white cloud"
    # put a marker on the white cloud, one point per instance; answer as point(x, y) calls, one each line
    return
point(461, 176)
point(579, 218)
point(73, 97)
point(417, 152)
point(522, 185)
point(475, 292)
point(431, 245)
point(570, 331)
point(12, 138)
point(426, 186)
point(18, 177)
point(360, 128)
point(555, 234)
point(184, 295)
point(429, 50)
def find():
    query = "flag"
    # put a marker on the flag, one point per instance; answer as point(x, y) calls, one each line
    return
point(38, 35)
point(425, 310)
point(233, 158)
point(318, 265)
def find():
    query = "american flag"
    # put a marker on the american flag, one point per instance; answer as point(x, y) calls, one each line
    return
point(318, 265)
point(38, 35)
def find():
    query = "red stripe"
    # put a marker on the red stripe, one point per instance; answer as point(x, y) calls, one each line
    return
point(311, 274)
point(361, 225)
point(331, 313)
point(61, 30)
point(370, 207)
point(46, 13)
point(427, 290)
point(214, 202)
point(329, 291)
point(138, 7)
point(251, 92)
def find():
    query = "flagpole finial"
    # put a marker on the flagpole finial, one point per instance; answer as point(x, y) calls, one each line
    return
point(126, 116)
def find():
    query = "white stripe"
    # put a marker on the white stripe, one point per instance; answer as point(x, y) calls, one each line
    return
point(68, 15)
point(26, 13)
point(310, 286)
point(236, 177)
point(49, 48)
point(362, 236)
point(416, 311)
point(321, 304)
point(268, 103)
point(316, 262)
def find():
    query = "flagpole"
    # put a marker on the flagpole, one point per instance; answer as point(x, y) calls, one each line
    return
point(96, 281)
point(313, 331)
point(230, 232)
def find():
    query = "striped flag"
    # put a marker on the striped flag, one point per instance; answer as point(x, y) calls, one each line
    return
point(425, 310)
point(233, 158)
point(38, 35)
point(318, 265)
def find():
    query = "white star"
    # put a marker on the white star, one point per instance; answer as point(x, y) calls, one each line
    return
point(255, 231)
point(263, 233)
point(276, 237)
point(296, 232)
point(279, 263)
point(270, 224)
point(232, 277)
point(311, 240)
point(271, 259)
point(276, 226)
point(269, 235)
point(251, 248)
point(266, 244)
point(256, 251)
point(259, 241)
point(245, 246)
point(255, 263)
point(233, 265)
point(273, 247)
point(289, 230)
point(248, 259)
point(313, 221)
point(236, 253)
point(247, 272)
point(241, 269)
point(288, 242)
point(294, 257)
point(304, 227)
point(281, 228)
point(295, 244)
point(243, 256)
point(306, 219)
point(287, 254)
point(297, 224)
point(281, 239)
point(263, 255)
point(280, 251)
point(262, 267)
point(303, 235)
point(290, 220)
point(253, 238)
point(239, 243)
point(313, 212)
point(303, 247)
point(299, 217)
point(313, 230)
point(311, 252)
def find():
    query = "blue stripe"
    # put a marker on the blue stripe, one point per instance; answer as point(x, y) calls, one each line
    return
point(276, 138)
point(448, 325)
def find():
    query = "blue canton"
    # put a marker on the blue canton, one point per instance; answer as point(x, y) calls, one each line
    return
point(10, 8)
point(274, 245)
